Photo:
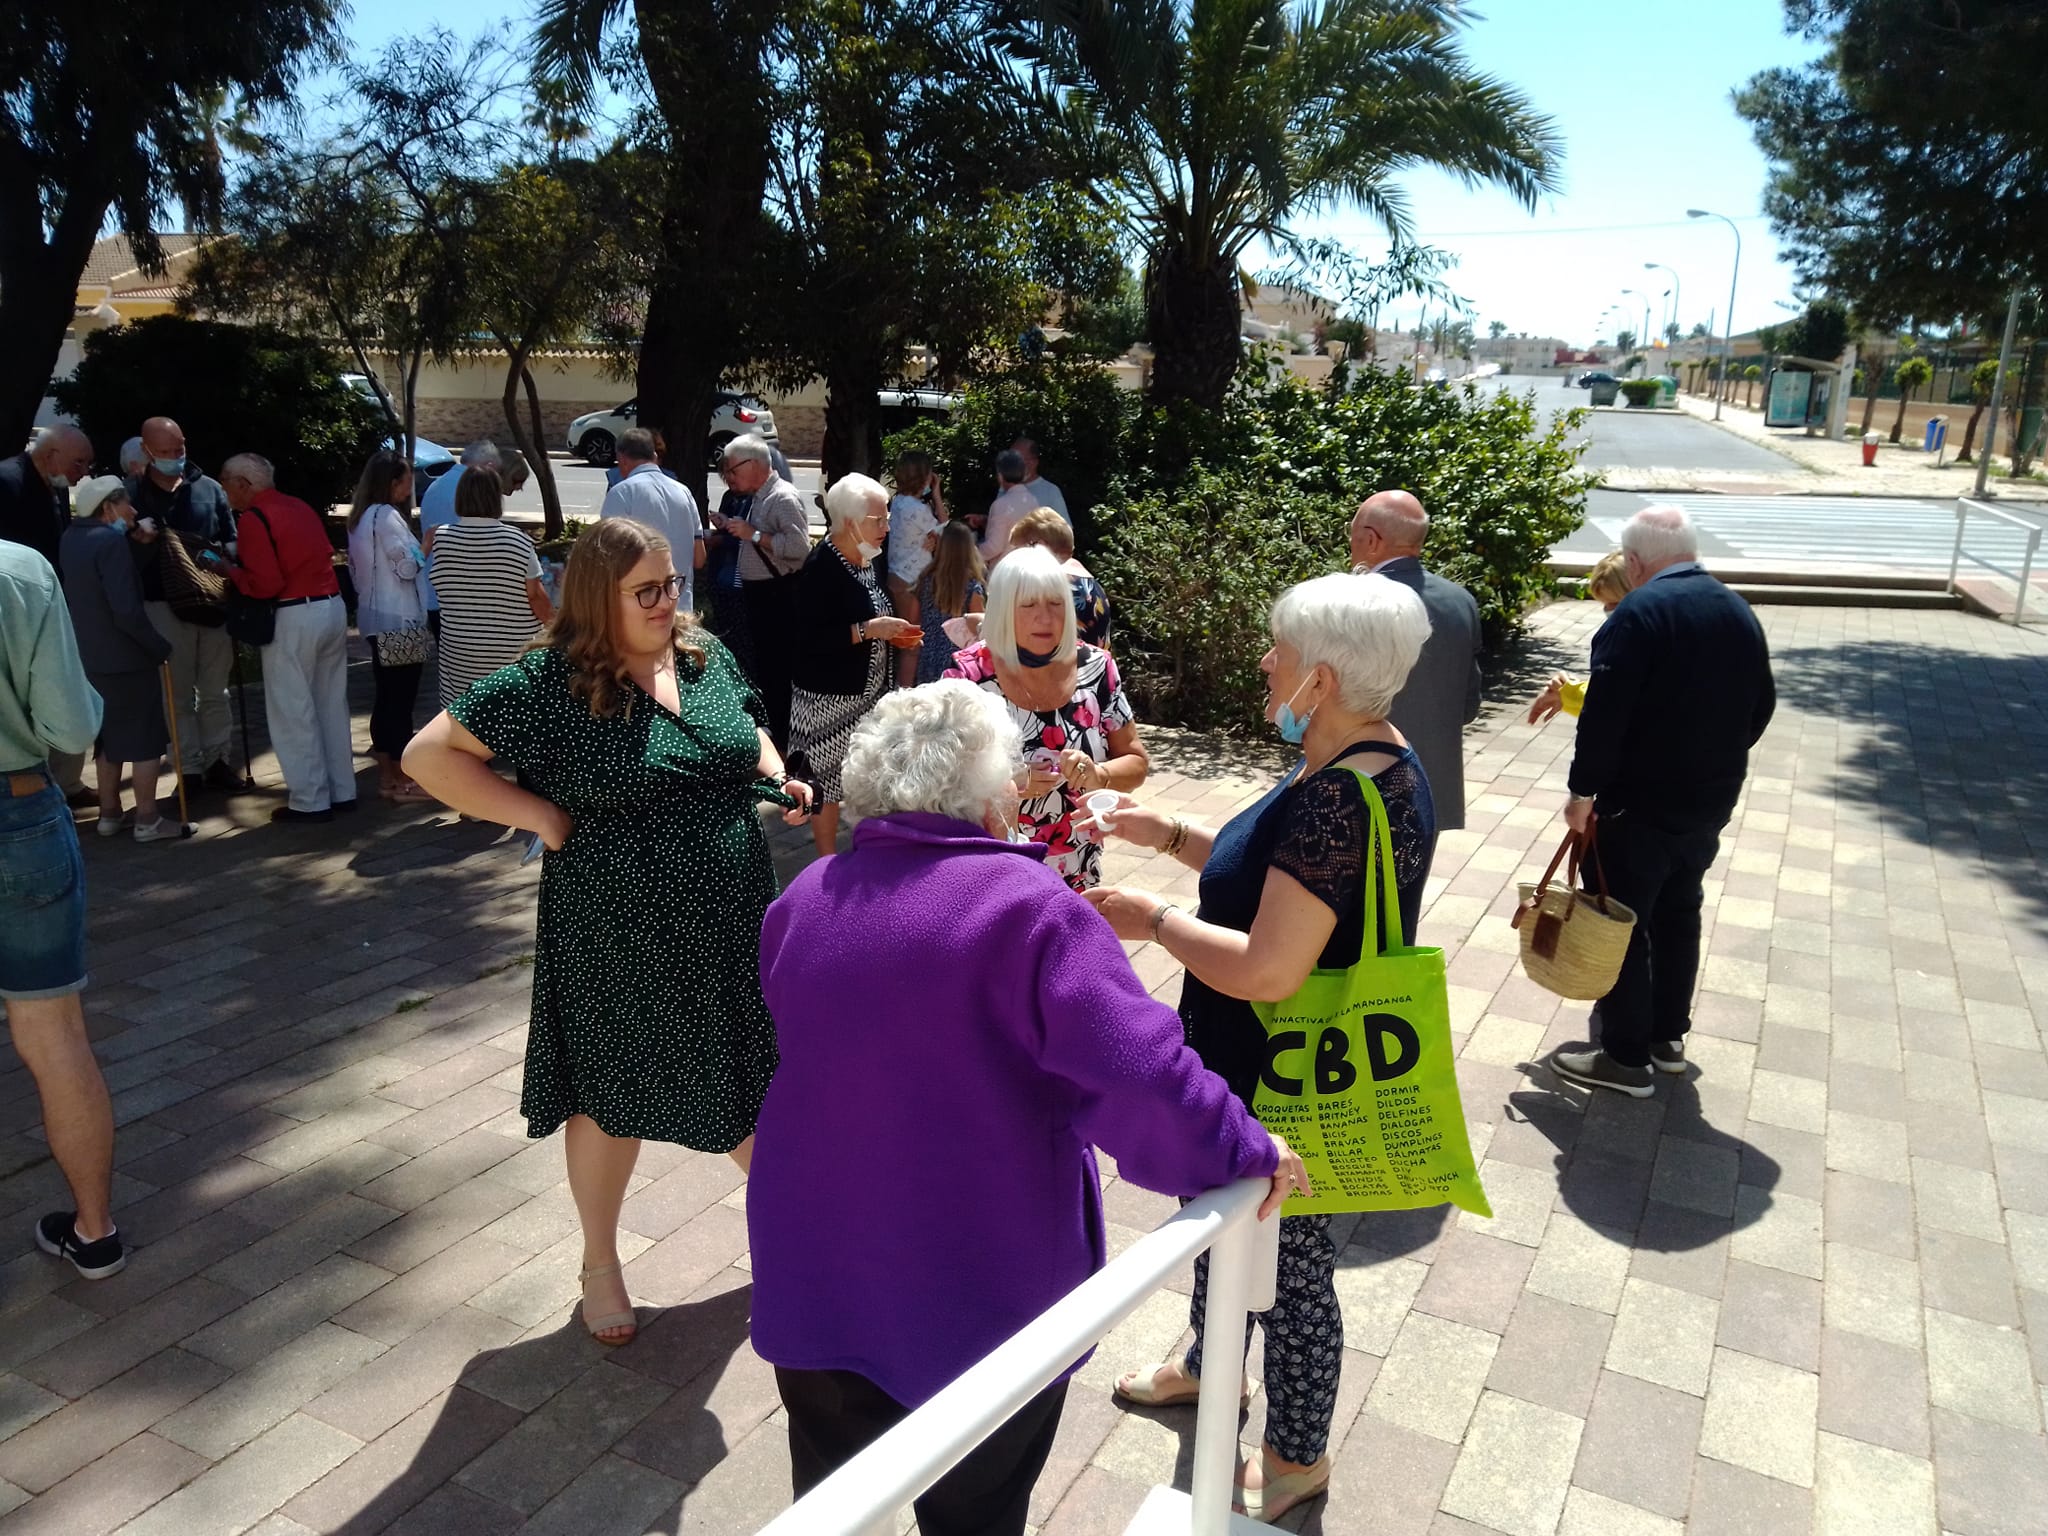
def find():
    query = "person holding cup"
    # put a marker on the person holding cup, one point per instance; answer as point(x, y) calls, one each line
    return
point(840, 652)
point(1283, 892)
point(1068, 702)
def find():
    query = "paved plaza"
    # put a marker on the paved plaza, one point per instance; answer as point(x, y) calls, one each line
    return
point(1803, 1289)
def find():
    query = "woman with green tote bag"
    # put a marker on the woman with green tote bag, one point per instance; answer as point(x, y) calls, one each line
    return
point(1285, 887)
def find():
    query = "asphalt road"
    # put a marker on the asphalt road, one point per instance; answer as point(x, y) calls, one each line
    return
point(1625, 439)
point(583, 490)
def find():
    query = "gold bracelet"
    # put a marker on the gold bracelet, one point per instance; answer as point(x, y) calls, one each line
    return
point(1176, 839)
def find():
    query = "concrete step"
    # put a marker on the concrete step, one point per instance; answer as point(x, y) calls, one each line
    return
point(1756, 574)
point(1786, 594)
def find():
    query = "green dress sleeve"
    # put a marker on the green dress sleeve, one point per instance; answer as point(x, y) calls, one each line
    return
point(507, 711)
point(718, 662)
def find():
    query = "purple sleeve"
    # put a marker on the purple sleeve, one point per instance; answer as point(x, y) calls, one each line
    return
point(1142, 1095)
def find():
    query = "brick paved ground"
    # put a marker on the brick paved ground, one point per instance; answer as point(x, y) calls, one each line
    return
point(1805, 1289)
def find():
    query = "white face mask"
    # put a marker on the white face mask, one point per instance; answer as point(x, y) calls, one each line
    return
point(868, 551)
point(60, 483)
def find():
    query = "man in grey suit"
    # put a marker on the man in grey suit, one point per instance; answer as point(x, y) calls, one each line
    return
point(1441, 697)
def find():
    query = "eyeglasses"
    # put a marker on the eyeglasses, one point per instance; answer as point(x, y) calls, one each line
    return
point(655, 591)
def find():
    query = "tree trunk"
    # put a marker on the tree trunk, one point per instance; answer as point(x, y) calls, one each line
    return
point(543, 467)
point(705, 65)
point(853, 419)
point(410, 424)
point(2033, 385)
point(1970, 433)
point(515, 374)
point(1871, 374)
point(678, 376)
point(1195, 321)
point(1899, 421)
point(38, 289)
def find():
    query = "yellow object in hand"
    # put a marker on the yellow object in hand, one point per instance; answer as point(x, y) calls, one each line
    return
point(1571, 697)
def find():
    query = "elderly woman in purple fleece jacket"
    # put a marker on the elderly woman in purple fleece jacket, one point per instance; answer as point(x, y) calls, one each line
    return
point(924, 1181)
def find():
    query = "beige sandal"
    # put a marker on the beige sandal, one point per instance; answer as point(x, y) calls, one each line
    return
point(1283, 1493)
point(1142, 1387)
point(599, 1326)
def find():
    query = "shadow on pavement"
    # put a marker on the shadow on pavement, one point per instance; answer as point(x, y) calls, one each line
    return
point(1956, 755)
point(683, 1346)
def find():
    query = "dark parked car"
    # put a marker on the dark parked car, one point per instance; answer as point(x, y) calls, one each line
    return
point(1588, 380)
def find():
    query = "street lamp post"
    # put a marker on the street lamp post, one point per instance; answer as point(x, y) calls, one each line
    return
point(1658, 266)
point(1728, 335)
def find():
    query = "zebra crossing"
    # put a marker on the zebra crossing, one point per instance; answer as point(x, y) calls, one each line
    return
point(1838, 532)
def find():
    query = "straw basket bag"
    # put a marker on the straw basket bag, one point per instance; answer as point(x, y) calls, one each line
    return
point(1573, 944)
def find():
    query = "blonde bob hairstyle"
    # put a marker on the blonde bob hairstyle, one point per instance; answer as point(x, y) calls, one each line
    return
point(1366, 629)
point(946, 749)
point(1027, 575)
point(1608, 581)
point(586, 625)
point(850, 498)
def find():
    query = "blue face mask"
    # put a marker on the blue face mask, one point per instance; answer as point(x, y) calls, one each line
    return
point(170, 469)
point(1027, 658)
point(1293, 728)
point(119, 525)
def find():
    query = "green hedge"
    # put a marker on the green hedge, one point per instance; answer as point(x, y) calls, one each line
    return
point(234, 389)
point(1226, 513)
point(1203, 519)
point(1641, 392)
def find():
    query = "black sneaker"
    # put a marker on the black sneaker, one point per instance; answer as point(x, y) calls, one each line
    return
point(1597, 1069)
point(343, 807)
point(1668, 1056)
point(220, 776)
point(286, 813)
point(57, 1235)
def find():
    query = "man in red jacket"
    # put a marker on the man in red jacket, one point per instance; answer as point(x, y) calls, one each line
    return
point(283, 554)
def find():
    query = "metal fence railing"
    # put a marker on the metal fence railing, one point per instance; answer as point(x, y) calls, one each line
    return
point(866, 1496)
point(1967, 509)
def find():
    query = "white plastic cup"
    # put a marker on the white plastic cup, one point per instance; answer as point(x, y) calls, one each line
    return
point(1101, 804)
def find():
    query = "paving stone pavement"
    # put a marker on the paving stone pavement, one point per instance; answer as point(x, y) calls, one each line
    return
point(1804, 1289)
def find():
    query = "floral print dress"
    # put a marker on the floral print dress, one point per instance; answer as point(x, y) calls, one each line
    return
point(1086, 721)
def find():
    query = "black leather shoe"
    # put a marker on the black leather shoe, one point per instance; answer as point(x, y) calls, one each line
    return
point(343, 807)
point(286, 813)
point(221, 777)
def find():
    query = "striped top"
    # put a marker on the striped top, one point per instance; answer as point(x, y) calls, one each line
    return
point(480, 567)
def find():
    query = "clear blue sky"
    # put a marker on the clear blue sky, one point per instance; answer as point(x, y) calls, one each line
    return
point(1639, 93)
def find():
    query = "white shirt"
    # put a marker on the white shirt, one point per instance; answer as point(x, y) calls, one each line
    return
point(1048, 495)
point(911, 522)
point(649, 496)
point(1005, 513)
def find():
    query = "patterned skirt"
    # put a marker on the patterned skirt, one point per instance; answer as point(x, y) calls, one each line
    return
point(821, 726)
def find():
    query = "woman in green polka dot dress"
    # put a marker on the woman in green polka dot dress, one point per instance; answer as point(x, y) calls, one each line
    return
point(643, 756)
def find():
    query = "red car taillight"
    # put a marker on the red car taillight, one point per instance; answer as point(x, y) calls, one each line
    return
point(745, 415)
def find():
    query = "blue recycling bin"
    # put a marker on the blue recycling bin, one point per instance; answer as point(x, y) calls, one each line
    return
point(1937, 434)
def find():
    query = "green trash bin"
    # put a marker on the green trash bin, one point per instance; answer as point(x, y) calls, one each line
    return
point(1605, 392)
point(1667, 398)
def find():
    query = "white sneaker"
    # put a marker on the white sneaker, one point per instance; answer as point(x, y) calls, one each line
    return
point(112, 826)
point(163, 830)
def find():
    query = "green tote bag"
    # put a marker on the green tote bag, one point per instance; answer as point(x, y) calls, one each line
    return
point(1359, 1077)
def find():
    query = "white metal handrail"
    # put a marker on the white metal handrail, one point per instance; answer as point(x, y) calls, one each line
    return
point(864, 1497)
point(1965, 510)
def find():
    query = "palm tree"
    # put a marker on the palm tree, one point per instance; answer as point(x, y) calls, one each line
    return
point(1202, 130)
point(220, 122)
point(1913, 372)
point(1625, 342)
point(1749, 377)
point(1495, 329)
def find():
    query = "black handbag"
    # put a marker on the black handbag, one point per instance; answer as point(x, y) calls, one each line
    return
point(252, 620)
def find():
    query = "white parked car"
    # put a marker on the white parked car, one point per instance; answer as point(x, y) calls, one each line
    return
point(595, 438)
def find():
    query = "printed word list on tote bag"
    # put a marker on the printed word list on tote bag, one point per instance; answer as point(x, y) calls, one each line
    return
point(1359, 1077)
